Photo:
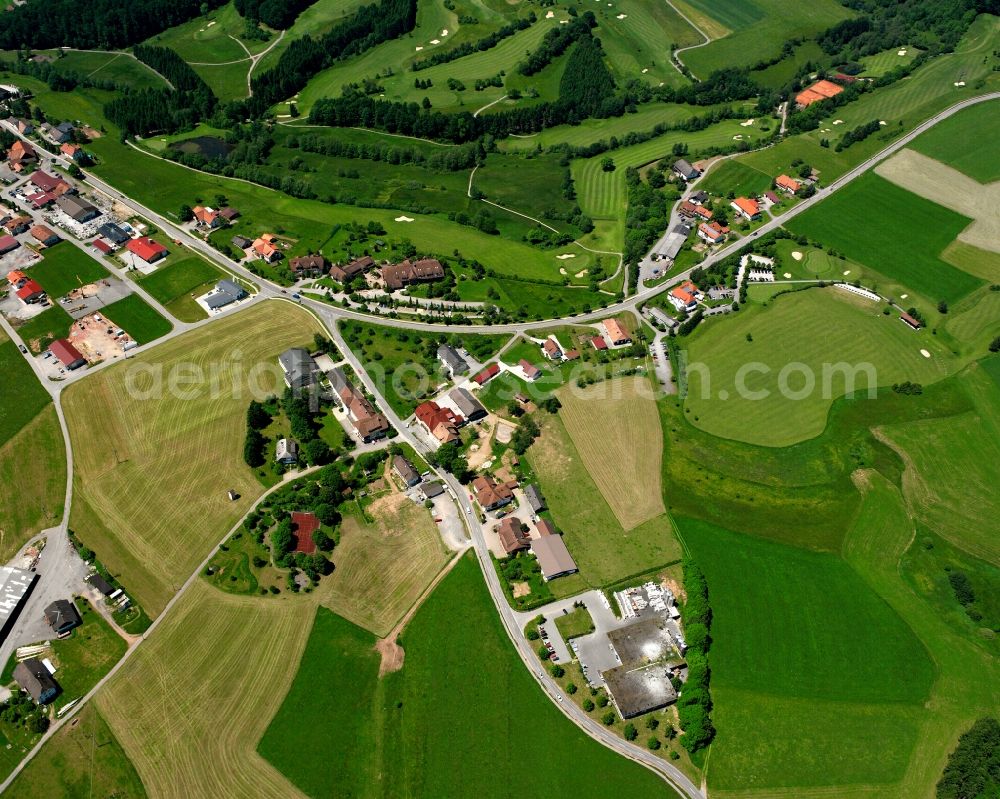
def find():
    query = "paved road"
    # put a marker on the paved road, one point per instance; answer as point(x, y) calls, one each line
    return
point(511, 621)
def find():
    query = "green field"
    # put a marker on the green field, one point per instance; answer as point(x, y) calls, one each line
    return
point(759, 29)
point(138, 318)
point(21, 395)
point(819, 328)
point(66, 267)
point(738, 177)
point(830, 679)
point(904, 241)
point(177, 283)
point(40, 331)
point(886, 61)
point(778, 75)
point(386, 735)
point(120, 67)
point(977, 156)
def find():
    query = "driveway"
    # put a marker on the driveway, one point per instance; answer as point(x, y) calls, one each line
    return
point(451, 527)
point(594, 648)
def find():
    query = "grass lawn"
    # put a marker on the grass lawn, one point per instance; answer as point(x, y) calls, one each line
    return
point(529, 184)
point(336, 751)
point(384, 565)
point(793, 376)
point(221, 664)
point(66, 267)
point(738, 177)
point(459, 674)
point(22, 397)
point(138, 318)
point(118, 67)
point(976, 157)
point(40, 331)
point(152, 441)
point(829, 678)
point(81, 757)
point(177, 283)
point(575, 624)
point(886, 61)
point(88, 654)
point(904, 241)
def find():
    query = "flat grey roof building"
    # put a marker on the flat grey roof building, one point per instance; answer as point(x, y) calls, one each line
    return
point(553, 558)
point(637, 690)
point(15, 585)
point(644, 641)
point(469, 406)
point(299, 367)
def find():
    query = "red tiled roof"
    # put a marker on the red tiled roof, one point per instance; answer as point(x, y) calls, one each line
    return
point(145, 248)
point(530, 369)
point(65, 352)
point(30, 288)
point(488, 373)
point(599, 343)
point(785, 182)
point(101, 246)
point(747, 205)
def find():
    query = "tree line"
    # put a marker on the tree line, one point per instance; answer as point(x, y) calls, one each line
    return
point(172, 67)
point(98, 24)
point(556, 42)
point(695, 702)
point(277, 14)
point(973, 769)
point(449, 159)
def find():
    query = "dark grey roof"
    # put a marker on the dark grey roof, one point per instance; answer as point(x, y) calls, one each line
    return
point(639, 690)
point(453, 360)
point(101, 584)
point(434, 489)
point(34, 678)
point(470, 407)
point(683, 168)
point(534, 496)
point(241, 241)
point(698, 197)
point(226, 292)
point(62, 615)
point(338, 380)
point(111, 231)
point(405, 470)
point(287, 448)
point(299, 367)
point(15, 585)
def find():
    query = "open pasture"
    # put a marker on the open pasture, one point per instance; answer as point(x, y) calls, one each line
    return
point(759, 29)
point(778, 75)
point(178, 282)
point(314, 21)
point(736, 176)
point(975, 128)
point(21, 396)
point(138, 318)
point(66, 267)
point(812, 332)
point(191, 704)
point(119, 67)
point(172, 424)
point(903, 241)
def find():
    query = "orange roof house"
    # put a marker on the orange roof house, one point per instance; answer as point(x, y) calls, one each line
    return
point(821, 90)
point(206, 216)
point(746, 207)
point(788, 184)
point(685, 296)
point(20, 154)
point(703, 212)
point(263, 248)
point(616, 333)
point(16, 278)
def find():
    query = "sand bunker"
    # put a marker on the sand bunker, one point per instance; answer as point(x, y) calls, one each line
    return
point(435, 41)
point(838, 122)
point(404, 219)
point(746, 124)
point(797, 255)
point(550, 15)
point(418, 48)
point(566, 255)
point(562, 271)
point(960, 83)
point(444, 32)
point(788, 275)
point(581, 273)
point(847, 272)
point(882, 122)
point(925, 353)
point(902, 52)
point(903, 296)
point(644, 71)
point(620, 16)
point(210, 24)
point(738, 136)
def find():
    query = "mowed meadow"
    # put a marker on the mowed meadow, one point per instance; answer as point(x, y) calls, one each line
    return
point(154, 460)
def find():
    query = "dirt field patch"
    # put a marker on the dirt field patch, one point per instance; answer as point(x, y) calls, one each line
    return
point(616, 429)
point(99, 338)
point(939, 183)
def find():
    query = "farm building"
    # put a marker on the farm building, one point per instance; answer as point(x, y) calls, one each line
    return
point(553, 557)
point(67, 354)
point(745, 207)
point(146, 249)
point(616, 334)
point(487, 374)
point(299, 367)
point(635, 691)
point(453, 363)
point(305, 524)
point(34, 679)
point(685, 170)
point(512, 539)
point(536, 501)
point(396, 276)
point(77, 208)
point(405, 471)
point(62, 616)
point(15, 585)
point(287, 451)
point(469, 406)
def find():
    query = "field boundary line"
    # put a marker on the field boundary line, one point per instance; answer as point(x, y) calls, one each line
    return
point(677, 53)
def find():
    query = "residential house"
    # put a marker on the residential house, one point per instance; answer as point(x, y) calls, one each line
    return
point(62, 616)
point(226, 293)
point(35, 680)
point(468, 405)
point(405, 471)
point(553, 557)
point(368, 423)
point(264, 249)
point(747, 208)
point(704, 212)
point(685, 170)
point(787, 184)
point(487, 374)
point(146, 249)
point(207, 217)
point(102, 585)
point(512, 538)
point(299, 367)
point(821, 90)
point(431, 489)
point(687, 209)
point(396, 276)
point(8, 243)
point(685, 296)
point(77, 208)
point(68, 355)
point(452, 362)
point(287, 451)
point(571, 355)
point(30, 292)
point(73, 151)
point(711, 233)
point(699, 197)
point(344, 273)
point(552, 350)
point(24, 126)
point(57, 134)
point(16, 278)
point(17, 224)
point(21, 156)
point(536, 501)
point(531, 372)
point(241, 242)
point(113, 233)
point(442, 423)
point(490, 494)
point(44, 235)
point(307, 265)
point(50, 183)
point(616, 334)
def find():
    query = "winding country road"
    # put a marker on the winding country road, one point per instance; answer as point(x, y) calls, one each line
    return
point(330, 316)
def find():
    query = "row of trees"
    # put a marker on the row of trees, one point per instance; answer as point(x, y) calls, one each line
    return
point(556, 42)
point(448, 159)
point(973, 769)
point(138, 113)
point(695, 703)
point(172, 67)
point(277, 14)
point(479, 46)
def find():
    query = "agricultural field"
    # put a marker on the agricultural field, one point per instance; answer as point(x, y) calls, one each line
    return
point(83, 757)
point(165, 431)
point(138, 318)
point(115, 66)
point(904, 241)
point(735, 176)
point(28, 423)
point(454, 676)
point(383, 563)
point(829, 665)
point(819, 328)
point(66, 267)
point(178, 282)
point(759, 28)
point(603, 547)
point(976, 157)
point(201, 692)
